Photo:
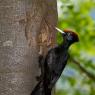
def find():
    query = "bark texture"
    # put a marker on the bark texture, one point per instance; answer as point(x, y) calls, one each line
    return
point(26, 29)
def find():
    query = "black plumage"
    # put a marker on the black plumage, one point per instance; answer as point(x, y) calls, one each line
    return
point(39, 89)
point(54, 63)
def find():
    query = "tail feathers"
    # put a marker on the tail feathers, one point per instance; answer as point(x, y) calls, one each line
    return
point(38, 90)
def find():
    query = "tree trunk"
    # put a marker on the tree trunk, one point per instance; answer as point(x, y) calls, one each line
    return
point(26, 29)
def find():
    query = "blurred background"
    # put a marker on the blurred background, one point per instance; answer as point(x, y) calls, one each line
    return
point(78, 77)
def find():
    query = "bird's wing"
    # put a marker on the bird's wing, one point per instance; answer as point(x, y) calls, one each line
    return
point(58, 70)
point(50, 59)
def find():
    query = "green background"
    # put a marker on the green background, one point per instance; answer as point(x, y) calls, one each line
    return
point(78, 15)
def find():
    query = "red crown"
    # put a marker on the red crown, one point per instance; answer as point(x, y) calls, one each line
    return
point(74, 34)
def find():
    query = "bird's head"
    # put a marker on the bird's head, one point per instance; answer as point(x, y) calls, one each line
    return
point(69, 36)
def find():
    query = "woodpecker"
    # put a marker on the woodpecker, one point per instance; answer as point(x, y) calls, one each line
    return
point(56, 59)
point(55, 62)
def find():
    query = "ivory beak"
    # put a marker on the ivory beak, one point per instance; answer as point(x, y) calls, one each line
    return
point(59, 30)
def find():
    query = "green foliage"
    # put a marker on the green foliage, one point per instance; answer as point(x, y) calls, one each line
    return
point(59, 38)
point(78, 15)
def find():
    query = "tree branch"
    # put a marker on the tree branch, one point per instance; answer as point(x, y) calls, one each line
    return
point(89, 74)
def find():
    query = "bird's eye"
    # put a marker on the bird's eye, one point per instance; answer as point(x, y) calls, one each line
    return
point(69, 34)
point(69, 37)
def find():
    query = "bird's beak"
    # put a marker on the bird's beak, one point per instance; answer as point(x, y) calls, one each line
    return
point(59, 30)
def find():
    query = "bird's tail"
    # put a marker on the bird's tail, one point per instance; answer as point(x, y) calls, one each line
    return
point(38, 90)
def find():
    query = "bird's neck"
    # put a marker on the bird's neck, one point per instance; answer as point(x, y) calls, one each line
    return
point(65, 45)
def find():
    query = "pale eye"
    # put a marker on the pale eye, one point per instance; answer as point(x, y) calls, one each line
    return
point(69, 36)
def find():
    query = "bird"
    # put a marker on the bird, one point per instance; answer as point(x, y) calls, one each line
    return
point(55, 61)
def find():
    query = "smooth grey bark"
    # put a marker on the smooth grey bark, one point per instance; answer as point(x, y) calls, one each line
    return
point(21, 23)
